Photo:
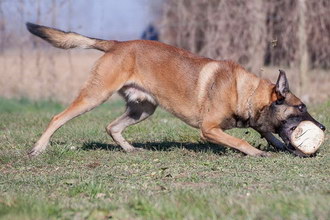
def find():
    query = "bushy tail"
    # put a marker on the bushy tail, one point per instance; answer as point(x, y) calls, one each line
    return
point(67, 40)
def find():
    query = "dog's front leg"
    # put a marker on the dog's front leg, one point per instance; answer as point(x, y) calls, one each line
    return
point(218, 136)
point(272, 140)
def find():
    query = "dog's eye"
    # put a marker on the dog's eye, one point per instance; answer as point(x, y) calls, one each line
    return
point(301, 107)
point(279, 101)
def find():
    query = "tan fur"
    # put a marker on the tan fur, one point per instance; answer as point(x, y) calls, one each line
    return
point(205, 77)
point(206, 94)
point(84, 42)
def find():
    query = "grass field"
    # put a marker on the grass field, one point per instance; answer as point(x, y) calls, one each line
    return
point(84, 175)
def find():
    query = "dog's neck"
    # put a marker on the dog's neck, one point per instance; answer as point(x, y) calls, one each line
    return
point(259, 104)
point(250, 102)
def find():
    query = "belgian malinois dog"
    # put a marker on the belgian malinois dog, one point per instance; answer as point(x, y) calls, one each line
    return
point(207, 94)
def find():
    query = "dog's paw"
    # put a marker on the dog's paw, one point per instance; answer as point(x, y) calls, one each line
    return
point(263, 154)
point(33, 152)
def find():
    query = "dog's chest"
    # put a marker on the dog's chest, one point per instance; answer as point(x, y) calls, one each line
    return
point(235, 122)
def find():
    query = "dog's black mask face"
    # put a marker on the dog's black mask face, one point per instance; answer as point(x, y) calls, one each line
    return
point(288, 110)
point(286, 127)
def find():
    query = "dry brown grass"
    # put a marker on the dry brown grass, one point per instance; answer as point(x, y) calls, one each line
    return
point(57, 78)
point(46, 74)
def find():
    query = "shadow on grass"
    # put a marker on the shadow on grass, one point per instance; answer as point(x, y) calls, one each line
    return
point(160, 146)
point(168, 146)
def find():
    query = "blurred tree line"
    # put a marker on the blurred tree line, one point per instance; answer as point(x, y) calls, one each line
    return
point(252, 32)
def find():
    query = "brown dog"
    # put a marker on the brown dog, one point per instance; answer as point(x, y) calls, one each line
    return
point(206, 94)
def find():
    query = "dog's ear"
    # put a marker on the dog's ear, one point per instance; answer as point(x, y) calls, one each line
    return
point(282, 86)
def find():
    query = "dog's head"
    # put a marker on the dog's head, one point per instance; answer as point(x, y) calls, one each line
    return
point(287, 111)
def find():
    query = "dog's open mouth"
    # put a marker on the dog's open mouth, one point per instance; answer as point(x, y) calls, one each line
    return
point(290, 147)
point(287, 132)
point(299, 145)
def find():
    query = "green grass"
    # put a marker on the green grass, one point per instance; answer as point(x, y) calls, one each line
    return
point(84, 175)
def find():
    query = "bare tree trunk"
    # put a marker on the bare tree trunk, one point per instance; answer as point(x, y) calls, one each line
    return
point(2, 43)
point(38, 53)
point(52, 70)
point(258, 41)
point(303, 50)
point(21, 11)
point(69, 24)
point(2, 28)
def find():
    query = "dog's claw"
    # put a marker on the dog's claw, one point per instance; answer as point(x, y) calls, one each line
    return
point(264, 154)
point(33, 153)
point(260, 154)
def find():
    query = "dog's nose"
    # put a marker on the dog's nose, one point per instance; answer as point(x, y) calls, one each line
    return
point(322, 127)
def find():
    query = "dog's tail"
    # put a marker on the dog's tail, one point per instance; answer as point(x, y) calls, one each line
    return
point(67, 40)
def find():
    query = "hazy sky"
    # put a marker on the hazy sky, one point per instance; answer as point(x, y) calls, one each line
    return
point(115, 19)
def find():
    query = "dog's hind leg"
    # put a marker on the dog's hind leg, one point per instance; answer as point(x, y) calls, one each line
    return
point(81, 105)
point(135, 113)
point(102, 84)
